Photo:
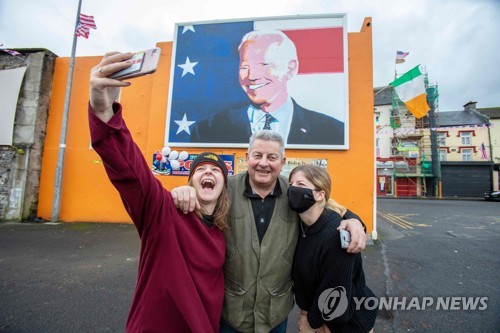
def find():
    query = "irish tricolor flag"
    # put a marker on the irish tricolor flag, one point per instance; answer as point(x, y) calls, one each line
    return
point(410, 88)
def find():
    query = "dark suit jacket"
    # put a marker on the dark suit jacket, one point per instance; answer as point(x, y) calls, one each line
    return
point(232, 126)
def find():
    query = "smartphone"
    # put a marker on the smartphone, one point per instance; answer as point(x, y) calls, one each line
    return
point(345, 238)
point(143, 63)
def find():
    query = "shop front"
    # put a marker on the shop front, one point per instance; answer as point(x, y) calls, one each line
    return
point(385, 178)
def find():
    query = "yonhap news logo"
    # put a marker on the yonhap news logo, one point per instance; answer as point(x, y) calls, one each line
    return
point(333, 303)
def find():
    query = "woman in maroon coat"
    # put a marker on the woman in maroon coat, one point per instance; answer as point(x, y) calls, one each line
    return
point(180, 283)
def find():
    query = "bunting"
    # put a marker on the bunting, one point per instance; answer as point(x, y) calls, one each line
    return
point(12, 52)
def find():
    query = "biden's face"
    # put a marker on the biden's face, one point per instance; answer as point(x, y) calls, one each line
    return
point(262, 74)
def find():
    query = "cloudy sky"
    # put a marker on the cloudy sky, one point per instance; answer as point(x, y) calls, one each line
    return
point(456, 40)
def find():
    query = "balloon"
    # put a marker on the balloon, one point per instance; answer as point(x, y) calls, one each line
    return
point(175, 165)
point(163, 160)
point(173, 155)
point(183, 155)
point(165, 151)
point(158, 157)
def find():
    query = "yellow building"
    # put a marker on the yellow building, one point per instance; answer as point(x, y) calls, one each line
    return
point(463, 135)
point(494, 131)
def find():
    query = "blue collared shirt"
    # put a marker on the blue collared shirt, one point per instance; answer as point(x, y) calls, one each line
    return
point(281, 124)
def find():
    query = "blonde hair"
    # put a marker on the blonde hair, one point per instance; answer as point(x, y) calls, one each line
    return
point(321, 180)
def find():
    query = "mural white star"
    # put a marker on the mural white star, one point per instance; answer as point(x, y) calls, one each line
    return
point(187, 28)
point(188, 67)
point(184, 125)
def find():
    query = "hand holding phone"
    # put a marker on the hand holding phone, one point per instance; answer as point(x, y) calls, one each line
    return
point(143, 63)
point(345, 238)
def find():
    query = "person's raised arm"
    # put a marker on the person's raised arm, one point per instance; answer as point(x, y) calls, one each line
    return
point(123, 161)
point(103, 90)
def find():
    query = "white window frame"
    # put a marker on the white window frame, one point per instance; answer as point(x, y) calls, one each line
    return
point(442, 155)
point(466, 138)
point(441, 138)
point(467, 154)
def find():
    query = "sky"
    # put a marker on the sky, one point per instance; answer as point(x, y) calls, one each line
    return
point(457, 41)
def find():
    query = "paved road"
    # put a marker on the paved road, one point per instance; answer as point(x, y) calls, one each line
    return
point(442, 248)
point(72, 277)
point(79, 277)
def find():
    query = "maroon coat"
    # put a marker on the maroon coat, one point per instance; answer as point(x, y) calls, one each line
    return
point(180, 283)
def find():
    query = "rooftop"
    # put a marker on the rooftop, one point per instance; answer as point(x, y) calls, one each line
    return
point(458, 118)
point(492, 113)
point(382, 96)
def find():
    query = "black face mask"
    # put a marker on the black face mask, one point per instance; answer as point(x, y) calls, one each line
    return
point(300, 199)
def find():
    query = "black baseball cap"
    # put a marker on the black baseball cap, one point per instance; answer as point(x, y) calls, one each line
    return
point(209, 157)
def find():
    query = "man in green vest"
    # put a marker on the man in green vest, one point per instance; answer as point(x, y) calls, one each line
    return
point(261, 240)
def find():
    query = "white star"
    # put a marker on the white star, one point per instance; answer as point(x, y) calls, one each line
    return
point(187, 28)
point(188, 67)
point(184, 125)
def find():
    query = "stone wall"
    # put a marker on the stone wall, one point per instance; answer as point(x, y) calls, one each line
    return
point(20, 164)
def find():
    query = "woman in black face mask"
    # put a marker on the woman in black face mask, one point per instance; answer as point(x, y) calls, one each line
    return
point(327, 280)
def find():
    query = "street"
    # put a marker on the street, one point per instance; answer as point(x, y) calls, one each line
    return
point(442, 248)
point(80, 277)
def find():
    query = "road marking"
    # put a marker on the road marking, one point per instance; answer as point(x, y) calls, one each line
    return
point(400, 221)
point(396, 220)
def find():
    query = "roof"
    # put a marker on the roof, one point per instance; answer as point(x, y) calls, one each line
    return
point(492, 113)
point(459, 118)
point(382, 95)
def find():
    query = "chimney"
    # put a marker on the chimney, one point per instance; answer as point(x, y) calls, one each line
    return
point(470, 106)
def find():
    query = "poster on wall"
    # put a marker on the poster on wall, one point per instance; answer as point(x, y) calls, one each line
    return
point(169, 162)
point(232, 78)
point(240, 164)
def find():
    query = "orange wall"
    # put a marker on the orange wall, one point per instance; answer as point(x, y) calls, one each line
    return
point(87, 194)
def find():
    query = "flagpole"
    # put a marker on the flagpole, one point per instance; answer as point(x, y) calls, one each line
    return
point(56, 203)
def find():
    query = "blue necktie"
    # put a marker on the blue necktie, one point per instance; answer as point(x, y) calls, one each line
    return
point(269, 120)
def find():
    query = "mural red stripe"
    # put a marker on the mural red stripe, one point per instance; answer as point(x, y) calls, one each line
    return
point(318, 50)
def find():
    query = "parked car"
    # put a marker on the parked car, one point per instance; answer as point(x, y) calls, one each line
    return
point(492, 195)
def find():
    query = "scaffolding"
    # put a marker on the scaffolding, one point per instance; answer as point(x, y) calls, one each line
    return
point(412, 149)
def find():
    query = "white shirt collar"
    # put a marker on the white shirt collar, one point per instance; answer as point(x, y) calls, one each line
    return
point(283, 116)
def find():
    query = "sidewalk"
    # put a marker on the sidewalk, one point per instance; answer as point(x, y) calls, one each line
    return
point(80, 277)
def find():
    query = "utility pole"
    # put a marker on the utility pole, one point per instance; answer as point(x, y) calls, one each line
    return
point(56, 203)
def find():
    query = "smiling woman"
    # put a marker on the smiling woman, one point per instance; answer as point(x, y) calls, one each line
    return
point(208, 176)
point(180, 286)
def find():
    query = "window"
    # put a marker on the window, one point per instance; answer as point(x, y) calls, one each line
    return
point(466, 138)
point(441, 138)
point(466, 154)
point(442, 155)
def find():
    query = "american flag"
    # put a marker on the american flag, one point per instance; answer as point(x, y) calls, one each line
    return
point(400, 56)
point(484, 154)
point(84, 24)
